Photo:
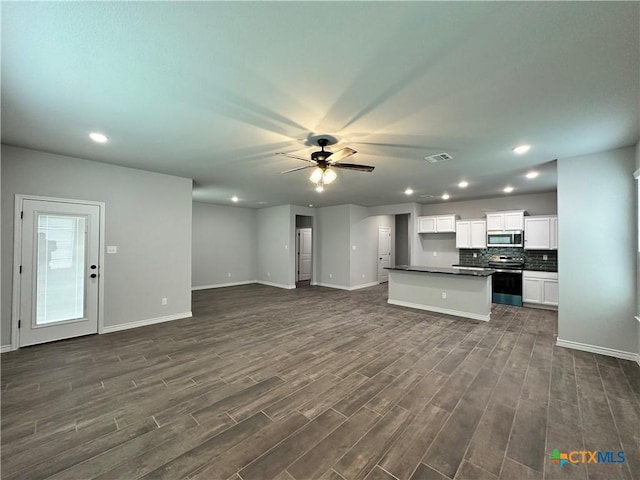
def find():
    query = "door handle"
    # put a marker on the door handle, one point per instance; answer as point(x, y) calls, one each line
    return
point(93, 275)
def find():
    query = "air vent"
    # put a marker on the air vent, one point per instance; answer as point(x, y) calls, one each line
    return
point(426, 196)
point(440, 157)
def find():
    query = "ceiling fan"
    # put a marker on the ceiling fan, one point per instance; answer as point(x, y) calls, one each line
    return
point(324, 162)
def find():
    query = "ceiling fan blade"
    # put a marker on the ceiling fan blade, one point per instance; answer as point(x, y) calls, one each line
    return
point(298, 168)
point(341, 154)
point(295, 156)
point(353, 166)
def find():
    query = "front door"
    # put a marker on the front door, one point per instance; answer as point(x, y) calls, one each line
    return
point(60, 271)
point(384, 253)
point(304, 254)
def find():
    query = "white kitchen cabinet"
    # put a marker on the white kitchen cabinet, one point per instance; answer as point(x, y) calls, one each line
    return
point(501, 221)
point(426, 224)
point(471, 234)
point(541, 233)
point(540, 288)
point(437, 224)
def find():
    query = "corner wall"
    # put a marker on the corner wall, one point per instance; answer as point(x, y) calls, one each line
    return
point(224, 245)
point(597, 245)
point(274, 236)
point(148, 217)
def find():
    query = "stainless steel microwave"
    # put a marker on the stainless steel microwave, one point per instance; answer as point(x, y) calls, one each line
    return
point(505, 239)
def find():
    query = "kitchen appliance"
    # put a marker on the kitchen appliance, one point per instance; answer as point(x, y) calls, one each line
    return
point(505, 239)
point(506, 283)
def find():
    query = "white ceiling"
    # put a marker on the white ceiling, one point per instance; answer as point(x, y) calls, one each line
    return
point(212, 90)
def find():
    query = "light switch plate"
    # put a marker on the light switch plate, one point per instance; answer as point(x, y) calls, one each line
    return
point(112, 249)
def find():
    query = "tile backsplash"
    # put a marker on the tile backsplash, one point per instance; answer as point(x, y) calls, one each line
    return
point(533, 259)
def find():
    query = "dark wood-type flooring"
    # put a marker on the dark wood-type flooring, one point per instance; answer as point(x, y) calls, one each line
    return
point(316, 383)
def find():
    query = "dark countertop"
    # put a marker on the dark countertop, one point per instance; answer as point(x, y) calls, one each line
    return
point(448, 271)
point(532, 268)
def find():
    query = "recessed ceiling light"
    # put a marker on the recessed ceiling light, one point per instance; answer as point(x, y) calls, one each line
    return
point(408, 191)
point(532, 174)
point(98, 137)
point(520, 149)
point(234, 199)
point(445, 196)
point(311, 205)
point(508, 189)
point(463, 184)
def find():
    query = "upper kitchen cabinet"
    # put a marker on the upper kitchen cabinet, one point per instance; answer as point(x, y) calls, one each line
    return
point(541, 233)
point(501, 221)
point(437, 224)
point(471, 234)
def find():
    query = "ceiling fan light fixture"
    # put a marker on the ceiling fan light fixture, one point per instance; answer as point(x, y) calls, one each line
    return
point(328, 176)
point(319, 188)
point(316, 176)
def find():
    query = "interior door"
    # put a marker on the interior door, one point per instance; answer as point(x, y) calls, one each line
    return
point(305, 254)
point(59, 282)
point(384, 253)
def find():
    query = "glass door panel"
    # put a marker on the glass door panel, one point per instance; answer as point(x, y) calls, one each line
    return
point(61, 268)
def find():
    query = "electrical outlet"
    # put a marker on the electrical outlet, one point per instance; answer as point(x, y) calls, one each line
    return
point(164, 301)
point(268, 274)
point(286, 247)
point(435, 254)
point(444, 295)
point(353, 247)
point(475, 255)
point(331, 275)
point(228, 274)
point(363, 275)
point(112, 249)
point(544, 257)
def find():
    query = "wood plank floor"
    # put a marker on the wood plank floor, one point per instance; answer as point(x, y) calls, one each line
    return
point(315, 383)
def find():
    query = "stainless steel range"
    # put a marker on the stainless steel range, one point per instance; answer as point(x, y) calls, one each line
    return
point(507, 281)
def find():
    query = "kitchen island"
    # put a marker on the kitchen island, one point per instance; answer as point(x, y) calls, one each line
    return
point(452, 291)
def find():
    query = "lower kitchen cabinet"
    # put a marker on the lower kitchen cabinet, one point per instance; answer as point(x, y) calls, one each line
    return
point(540, 288)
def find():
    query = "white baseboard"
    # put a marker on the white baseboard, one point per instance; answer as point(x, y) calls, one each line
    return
point(331, 285)
point(222, 285)
point(610, 352)
point(6, 348)
point(344, 287)
point(446, 311)
point(272, 284)
point(143, 323)
point(638, 359)
point(364, 285)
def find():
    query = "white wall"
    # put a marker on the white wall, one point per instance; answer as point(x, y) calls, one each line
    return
point(597, 241)
point(332, 238)
point(364, 237)
point(224, 242)
point(275, 245)
point(148, 217)
point(443, 245)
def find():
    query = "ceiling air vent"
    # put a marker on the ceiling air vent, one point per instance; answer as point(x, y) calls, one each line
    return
point(426, 196)
point(440, 157)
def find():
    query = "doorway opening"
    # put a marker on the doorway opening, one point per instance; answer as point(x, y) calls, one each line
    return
point(402, 239)
point(304, 250)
